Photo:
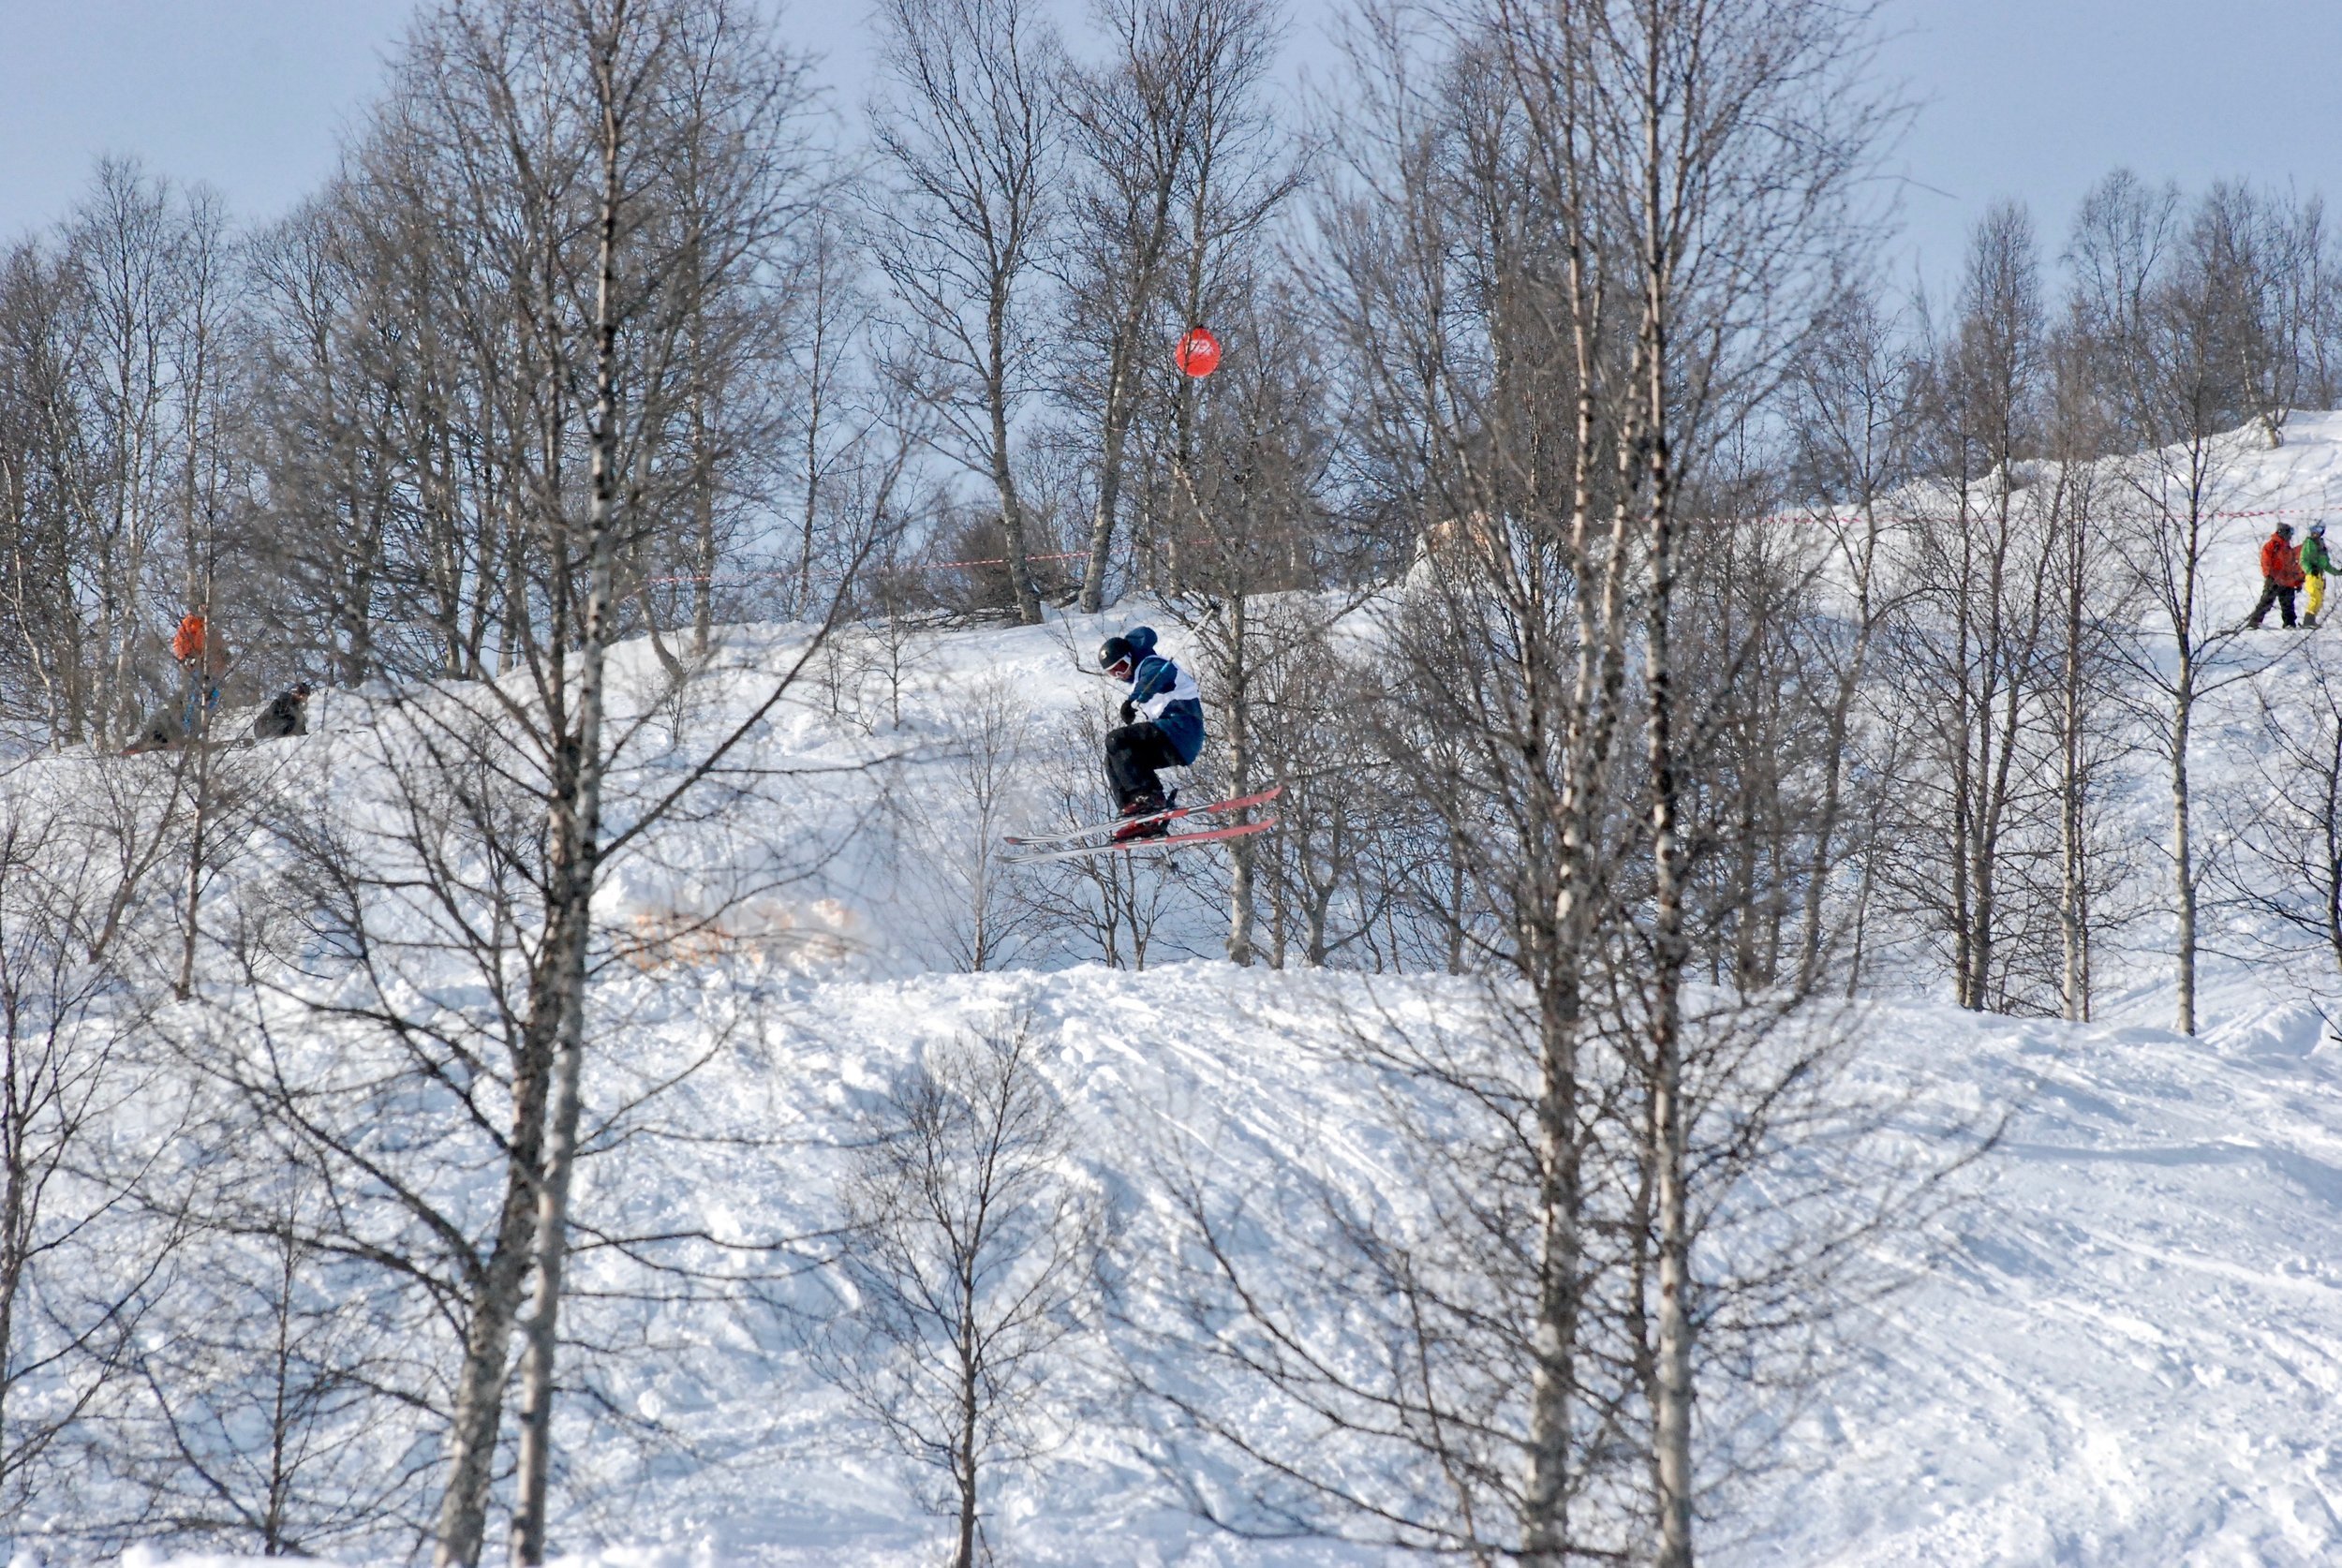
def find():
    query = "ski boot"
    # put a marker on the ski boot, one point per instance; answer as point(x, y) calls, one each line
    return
point(2309, 623)
point(1151, 804)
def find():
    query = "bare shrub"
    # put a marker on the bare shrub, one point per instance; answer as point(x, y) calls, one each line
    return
point(968, 1267)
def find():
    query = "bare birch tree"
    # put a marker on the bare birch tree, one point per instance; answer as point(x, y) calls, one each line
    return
point(1975, 631)
point(2167, 307)
point(1154, 127)
point(118, 457)
point(971, 133)
point(599, 189)
point(1852, 420)
point(971, 1255)
point(1566, 271)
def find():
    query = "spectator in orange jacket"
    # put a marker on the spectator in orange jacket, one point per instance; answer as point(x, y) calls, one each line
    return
point(204, 658)
point(2280, 575)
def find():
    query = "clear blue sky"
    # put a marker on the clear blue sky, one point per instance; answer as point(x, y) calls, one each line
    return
point(2030, 99)
point(2037, 99)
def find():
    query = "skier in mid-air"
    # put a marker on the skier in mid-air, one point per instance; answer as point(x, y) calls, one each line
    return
point(1163, 727)
point(1171, 733)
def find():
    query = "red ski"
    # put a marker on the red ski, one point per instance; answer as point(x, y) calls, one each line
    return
point(1161, 841)
point(1209, 808)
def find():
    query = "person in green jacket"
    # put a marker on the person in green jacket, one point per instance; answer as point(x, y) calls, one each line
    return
point(2314, 563)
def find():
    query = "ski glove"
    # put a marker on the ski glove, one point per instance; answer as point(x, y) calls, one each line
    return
point(1129, 711)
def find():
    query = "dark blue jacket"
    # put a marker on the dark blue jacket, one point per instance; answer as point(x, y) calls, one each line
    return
point(1164, 692)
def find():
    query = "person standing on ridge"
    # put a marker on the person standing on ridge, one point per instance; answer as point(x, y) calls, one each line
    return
point(2280, 574)
point(203, 657)
point(1171, 733)
point(2314, 564)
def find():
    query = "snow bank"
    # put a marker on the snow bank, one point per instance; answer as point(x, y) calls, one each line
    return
point(2130, 1353)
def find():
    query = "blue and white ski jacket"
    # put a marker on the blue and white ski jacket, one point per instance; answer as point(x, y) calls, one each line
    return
point(1163, 692)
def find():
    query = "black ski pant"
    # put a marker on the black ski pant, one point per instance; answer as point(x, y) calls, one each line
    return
point(2273, 594)
point(1134, 752)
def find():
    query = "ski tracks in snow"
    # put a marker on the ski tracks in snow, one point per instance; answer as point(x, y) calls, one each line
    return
point(2127, 1353)
point(2130, 1353)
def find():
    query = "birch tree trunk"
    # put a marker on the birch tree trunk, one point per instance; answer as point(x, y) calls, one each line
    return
point(2072, 905)
point(1121, 403)
point(577, 826)
point(1833, 763)
point(479, 1414)
point(1004, 477)
point(1672, 1390)
point(1553, 1337)
point(2182, 846)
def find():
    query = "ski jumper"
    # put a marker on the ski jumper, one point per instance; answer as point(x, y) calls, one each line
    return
point(2280, 575)
point(2315, 565)
point(1170, 735)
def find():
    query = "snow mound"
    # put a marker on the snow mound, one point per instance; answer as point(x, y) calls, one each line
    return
point(2128, 1352)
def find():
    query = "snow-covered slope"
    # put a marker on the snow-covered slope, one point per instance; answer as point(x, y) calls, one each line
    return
point(2130, 1353)
point(2127, 1348)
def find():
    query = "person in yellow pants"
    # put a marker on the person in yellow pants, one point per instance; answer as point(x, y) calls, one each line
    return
point(2314, 563)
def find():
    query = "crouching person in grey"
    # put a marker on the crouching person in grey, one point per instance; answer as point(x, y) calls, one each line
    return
point(288, 713)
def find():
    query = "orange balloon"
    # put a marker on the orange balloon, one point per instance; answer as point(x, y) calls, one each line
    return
point(1198, 353)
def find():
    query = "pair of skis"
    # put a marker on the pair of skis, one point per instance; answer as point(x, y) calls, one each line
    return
point(1157, 841)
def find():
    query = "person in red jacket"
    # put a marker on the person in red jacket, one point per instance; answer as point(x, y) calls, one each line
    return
point(2280, 574)
point(203, 657)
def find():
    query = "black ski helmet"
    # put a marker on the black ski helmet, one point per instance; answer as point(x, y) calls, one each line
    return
point(1115, 650)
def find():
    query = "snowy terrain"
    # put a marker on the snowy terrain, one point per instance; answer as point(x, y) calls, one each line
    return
point(2130, 1352)
point(2131, 1356)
